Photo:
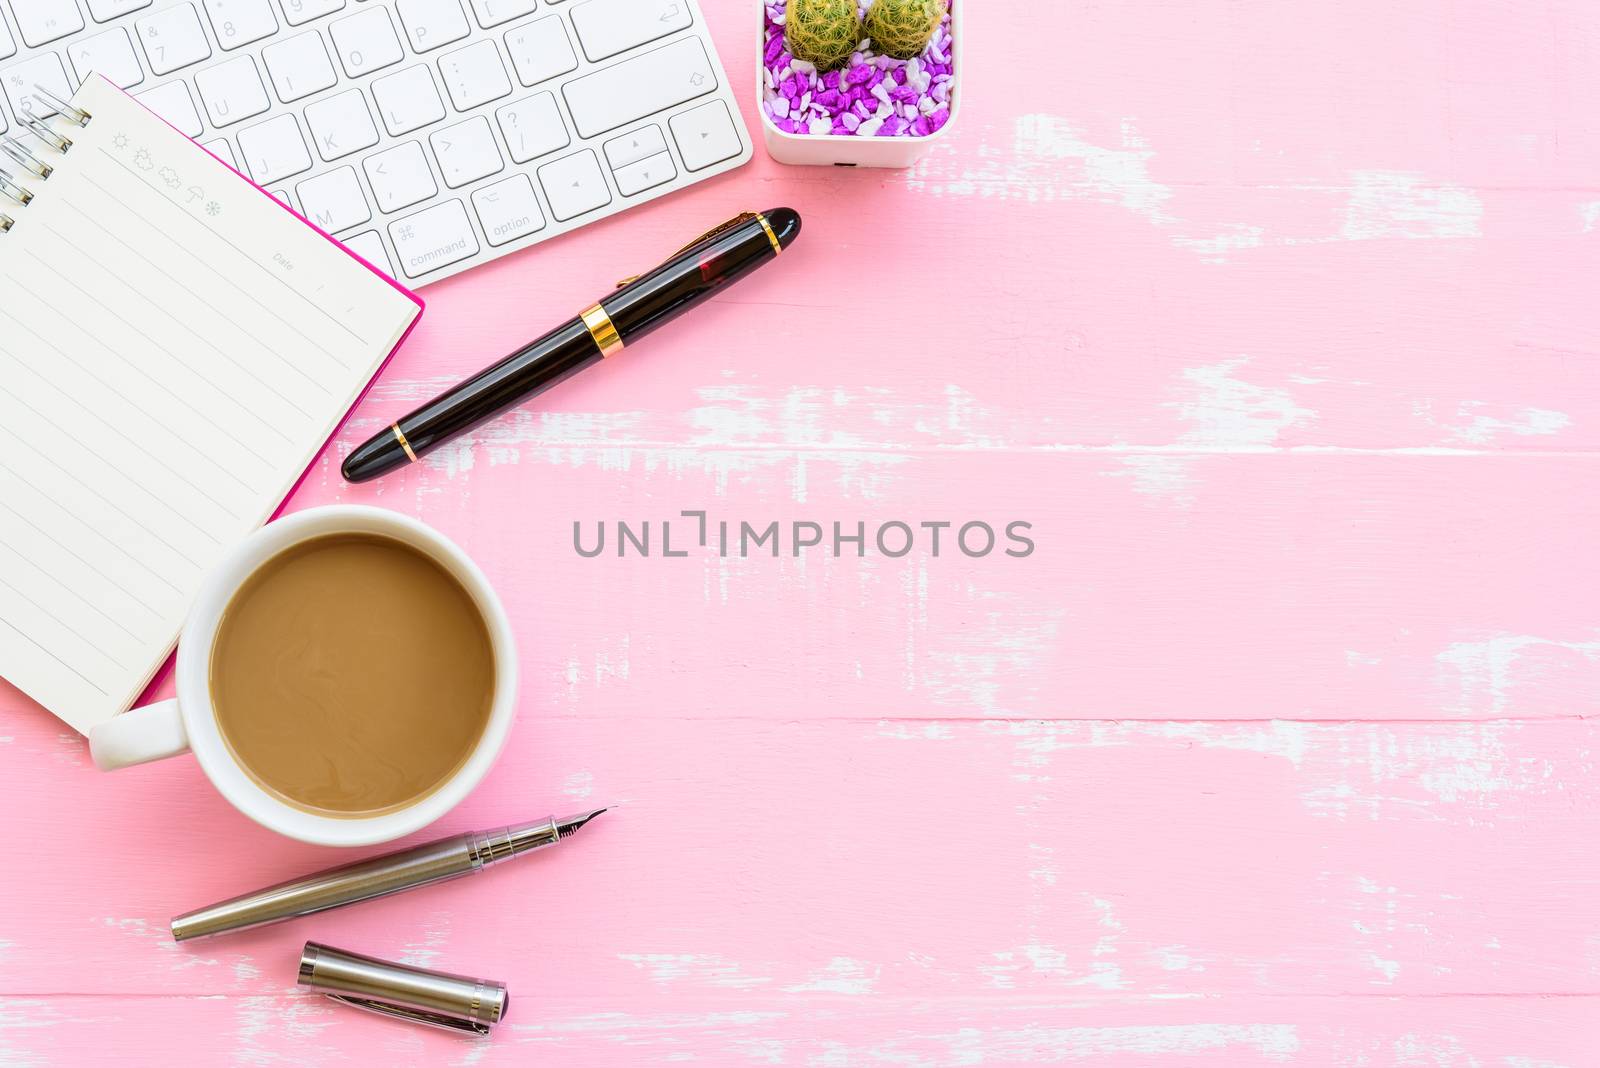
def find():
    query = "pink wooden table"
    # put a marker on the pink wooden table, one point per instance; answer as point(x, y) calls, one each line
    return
point(1277, 321)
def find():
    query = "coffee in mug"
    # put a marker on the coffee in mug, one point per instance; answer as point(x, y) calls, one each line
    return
point(368, 678)
point(351, 675)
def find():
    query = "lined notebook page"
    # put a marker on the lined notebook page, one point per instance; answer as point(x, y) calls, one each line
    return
point(175, 347)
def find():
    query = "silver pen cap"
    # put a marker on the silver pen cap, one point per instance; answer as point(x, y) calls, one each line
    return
point(418, 995)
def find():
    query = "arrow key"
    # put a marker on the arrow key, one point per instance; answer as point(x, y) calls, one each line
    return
point(645, 174)
point(574, 184)
point(635, 146)
point(706, 135)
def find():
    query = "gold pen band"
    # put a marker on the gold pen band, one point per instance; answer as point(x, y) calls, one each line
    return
point(777, 246)
point(602, 330)
point(404, 444)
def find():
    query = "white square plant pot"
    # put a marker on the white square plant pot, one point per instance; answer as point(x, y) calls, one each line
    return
point(839, 150)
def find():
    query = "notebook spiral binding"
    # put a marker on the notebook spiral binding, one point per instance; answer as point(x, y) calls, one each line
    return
point(18, 153)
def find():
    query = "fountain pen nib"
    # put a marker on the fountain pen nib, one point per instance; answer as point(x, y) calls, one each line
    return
point(567, 826)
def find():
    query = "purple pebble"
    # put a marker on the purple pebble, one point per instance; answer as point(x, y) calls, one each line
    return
point(858, 75)
point(774, 46)
point(840, 128)
point(903, 94)
point(938, 119)
point(831, 79)
point(891, 126)
point(829, 99)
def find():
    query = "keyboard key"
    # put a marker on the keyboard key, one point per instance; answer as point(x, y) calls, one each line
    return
point(274, 150)
point(432, 24)
point(106, 10)
point(705, 135)
point(466, 152)
point(408, 100)
point(369, 246)
point(635, 146)
point(474, 75)
point(299, 66)
point(109, 53)
point(300, 12)
point(334, 201)
point(494, 12)
point(341, 125)
point(366, 41)
point(644, 174)
point(240, 22)
point(45, 69)
point(574, 185)
point(540, 50)
point(607, 27)
point(533, 127)
point(172, 38)
point(508, 209)
point(282, 197)
point(43, 21)
point(173, 103)
point(222, 150)
point(434, 238)
point(638, 87)
point(400, 176)
point(232, 91)
point(8, 47)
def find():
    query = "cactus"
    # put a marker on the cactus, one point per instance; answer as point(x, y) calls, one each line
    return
point(822, 32)
point(902, 28)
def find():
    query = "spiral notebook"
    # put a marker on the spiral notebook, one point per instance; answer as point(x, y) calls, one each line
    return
point(175, 349)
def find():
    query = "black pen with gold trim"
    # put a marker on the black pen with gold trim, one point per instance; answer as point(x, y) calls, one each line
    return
point(712, 261)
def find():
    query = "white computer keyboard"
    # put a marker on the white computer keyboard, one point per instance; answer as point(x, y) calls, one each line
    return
point(428, 135)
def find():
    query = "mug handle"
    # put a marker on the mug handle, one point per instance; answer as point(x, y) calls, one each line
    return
point(138, 736)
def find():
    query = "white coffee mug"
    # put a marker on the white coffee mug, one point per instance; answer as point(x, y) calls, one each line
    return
point(190, 721)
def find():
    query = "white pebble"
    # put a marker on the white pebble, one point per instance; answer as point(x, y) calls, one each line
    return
point(927, 105)
point(821, 126)
point(884, 111)
point(881, 92)
point(908, 111)
point(851, 120)
point(869, 128)
point(801, 66)
point(805, 99)
point(780, 107)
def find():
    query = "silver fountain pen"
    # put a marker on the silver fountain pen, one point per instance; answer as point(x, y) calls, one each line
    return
point(447, 858)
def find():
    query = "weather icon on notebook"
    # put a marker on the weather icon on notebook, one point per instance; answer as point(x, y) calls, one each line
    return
point(142, 160)
point(121, 140)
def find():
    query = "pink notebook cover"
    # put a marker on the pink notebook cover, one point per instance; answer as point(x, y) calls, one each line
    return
point(165, 671)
